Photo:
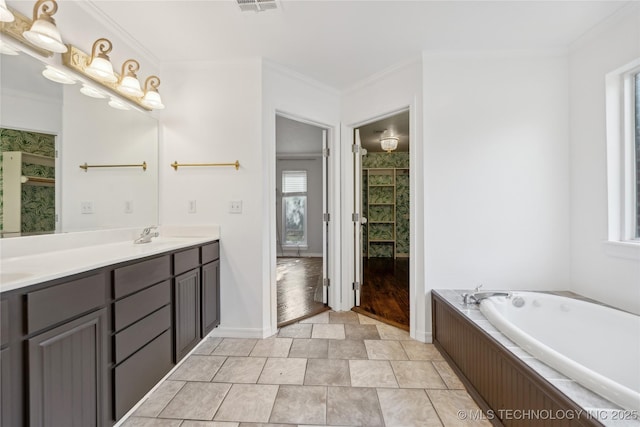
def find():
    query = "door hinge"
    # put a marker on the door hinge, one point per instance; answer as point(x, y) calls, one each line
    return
point(355, 148)
point(326, 152)
point(56, 154)
point(355, 217)
point(326, 217)
point(326, 282)
point(356, 286)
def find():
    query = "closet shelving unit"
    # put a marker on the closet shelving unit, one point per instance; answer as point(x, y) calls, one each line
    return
point(12, 182)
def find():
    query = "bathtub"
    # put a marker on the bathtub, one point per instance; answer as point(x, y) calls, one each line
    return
point(596, 346)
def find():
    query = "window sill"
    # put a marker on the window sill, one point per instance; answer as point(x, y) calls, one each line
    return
point(627, 250)
point(303, 247)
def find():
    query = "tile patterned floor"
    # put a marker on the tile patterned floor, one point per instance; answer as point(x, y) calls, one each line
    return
point(336, 369)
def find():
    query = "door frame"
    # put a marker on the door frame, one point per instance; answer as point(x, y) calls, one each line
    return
point(329, 189)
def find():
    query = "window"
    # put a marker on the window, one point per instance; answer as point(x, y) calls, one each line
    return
point(623, 158)
point(294, 208)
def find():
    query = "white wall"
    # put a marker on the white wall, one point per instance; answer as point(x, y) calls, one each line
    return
point(213, 115)
point(395, 89)
point(302, 99)
point(496, 171)
point(596, 273)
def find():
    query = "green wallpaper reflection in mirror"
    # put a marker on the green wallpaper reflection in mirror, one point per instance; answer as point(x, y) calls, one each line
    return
point(38, 202)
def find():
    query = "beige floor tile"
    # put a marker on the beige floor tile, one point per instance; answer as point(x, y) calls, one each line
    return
point(450, 404)
point(417, 374)
point(196, 401)
point(240, 370)
point(448, 375)
point(319, 318)
point(198, 368)
point(420, 351)
point(353, 407)
point(333, 331)
point(188, 423)
point(150, 422)
point(235, 347)
point(366, 320)
point(272, 347)
point(300, 405)
point(347, 349)
point(297, 330)
point(361, 332)
point(207, 346)
point(371, 373)
point(248, 403)
point(331, 372)
point(388, 332)
point(283, 371)
point(309, 349)
point(155, 403)
point(343, 317)
point(385, 350)
point(407, 408)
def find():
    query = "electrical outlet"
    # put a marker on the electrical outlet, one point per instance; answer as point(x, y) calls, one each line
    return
point(235, 206)
point(86, 208)
point(192, 207)
point(128, 206)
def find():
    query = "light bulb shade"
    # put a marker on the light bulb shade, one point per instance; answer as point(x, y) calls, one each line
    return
point(92, 92)
point(118, 105)
point(45, 34)
point(152, 100)
point(389, 143)
point(57, 76)
point(5, 13)
point(101, 69)
point(130, 85)
point(5, 49)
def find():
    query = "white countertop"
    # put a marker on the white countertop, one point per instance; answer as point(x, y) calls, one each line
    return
point(20, 271)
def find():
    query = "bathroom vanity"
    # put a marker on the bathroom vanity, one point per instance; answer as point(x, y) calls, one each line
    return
point(83, 348)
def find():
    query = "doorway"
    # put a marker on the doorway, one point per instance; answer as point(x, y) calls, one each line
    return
point(383, 206)
point(301, 223)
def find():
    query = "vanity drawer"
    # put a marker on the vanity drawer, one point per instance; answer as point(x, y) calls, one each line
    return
point(135, 307)
point(4, 322)
point(186, 260)
point(61, 302)
point(129, 340)
point(139, 373)
point(132, 278)
point(210, 252)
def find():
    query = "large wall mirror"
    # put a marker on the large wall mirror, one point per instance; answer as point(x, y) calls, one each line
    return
point(47, 130)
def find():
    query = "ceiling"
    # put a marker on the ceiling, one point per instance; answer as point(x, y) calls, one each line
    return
point(340, 43)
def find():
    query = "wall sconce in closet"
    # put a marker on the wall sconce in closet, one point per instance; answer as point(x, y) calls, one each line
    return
point(43, 32)
point(5, 13)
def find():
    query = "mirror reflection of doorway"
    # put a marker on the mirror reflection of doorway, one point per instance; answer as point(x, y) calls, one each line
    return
point(300, 228)
point(383, 174)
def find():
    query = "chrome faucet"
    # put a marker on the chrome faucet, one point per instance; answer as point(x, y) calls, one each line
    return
point(147, 235)
point(477, 296)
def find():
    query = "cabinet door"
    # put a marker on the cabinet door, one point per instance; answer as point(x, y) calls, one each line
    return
point(67, 374)
point(187, 312)
point(210, 296)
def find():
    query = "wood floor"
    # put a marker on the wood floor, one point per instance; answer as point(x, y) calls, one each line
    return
point(299, 289)
point(385, 290)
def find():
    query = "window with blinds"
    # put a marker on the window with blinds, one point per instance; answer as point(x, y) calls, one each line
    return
point(294, 208)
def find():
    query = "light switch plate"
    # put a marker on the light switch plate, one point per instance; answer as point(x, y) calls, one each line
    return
point(235, 206)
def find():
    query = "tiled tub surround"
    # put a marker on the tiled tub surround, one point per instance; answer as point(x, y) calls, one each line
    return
point(30, 260)
point(336, 368)
point(599, 410)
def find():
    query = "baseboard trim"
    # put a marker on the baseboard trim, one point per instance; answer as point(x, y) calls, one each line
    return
point(223, 332)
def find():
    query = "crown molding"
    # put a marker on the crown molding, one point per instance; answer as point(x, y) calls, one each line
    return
point(274, 66)
point(410, 62)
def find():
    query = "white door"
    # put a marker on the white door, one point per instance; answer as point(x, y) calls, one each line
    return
point(325, 218)
point(357, 216)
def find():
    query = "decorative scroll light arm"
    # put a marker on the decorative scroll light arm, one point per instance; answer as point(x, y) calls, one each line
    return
point(105, 47)
point(129, 68)
point(47, 15)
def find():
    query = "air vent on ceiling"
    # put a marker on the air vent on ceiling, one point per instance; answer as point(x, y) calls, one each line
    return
point(257, 5)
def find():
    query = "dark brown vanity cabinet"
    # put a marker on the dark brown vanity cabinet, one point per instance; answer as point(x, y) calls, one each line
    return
point(83, 350)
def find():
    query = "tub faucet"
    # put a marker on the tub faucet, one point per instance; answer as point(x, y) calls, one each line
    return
point(477, 296)
point(147, 235)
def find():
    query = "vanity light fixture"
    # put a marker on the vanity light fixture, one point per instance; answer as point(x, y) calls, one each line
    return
point(388, 142)
point(57, 76)
point(99, 66)
point(117, 104)
point(128, 82)
point(92, 92)
point(5, 13)
point(151, 97)
point(43, 32)
point(5, 49)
